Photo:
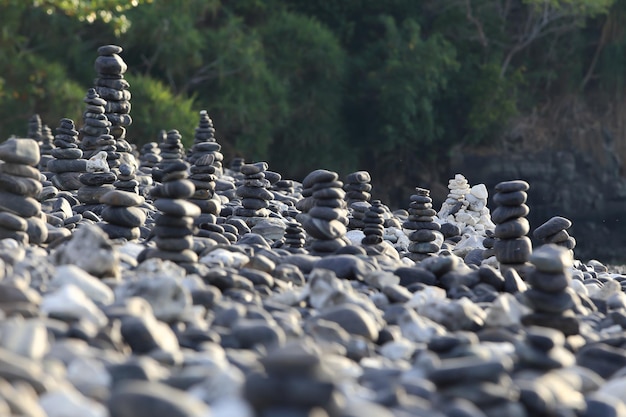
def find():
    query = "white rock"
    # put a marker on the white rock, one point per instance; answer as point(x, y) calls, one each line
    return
point(579, 287)
point(355, 237)
point(27, 338)
point(398, 349)
point(93, 288)
point(505, 311)
point(417, 328)
point(323, 285)
point(70, 403)
point(71, 301)
point(223, 383)
point(225, 257)
point(426, 296)
point(480, 191)
point(98, 163)
point(88, 375)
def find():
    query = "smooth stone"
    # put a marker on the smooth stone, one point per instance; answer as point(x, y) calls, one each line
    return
point(602, 358)
point(97, 178)
point(327, 213)
point(423, 235)
point(20, 170)
point(599, 404)
point(59, 166)
point(415, 275)
point(124, 216)
point(317, 176)
point(504, 213)
point(72, 303)
point(254, 192)
point(513, 251)
point(145, 334)
point(114, 231)
point(550, 302)
point(353, 319)
point(513, 228)
point(175, 244)
point(67, 402)
point(12, 221)
point(91, 194)
point(252, 332)
point(423, 247)
point(322, 229)
point(254, 203)
point(67, 153)
point(552, 226)
point(345, 266)
point(25, 337)
point(251, 169)
point(184, 256)
point(461, 370)
point(559, 237)
point(20, 151)
point(512, 198)
point(122, 198)
point(177, 208)
point(19, 205)
point(67, 181)
point(551, 258)
point(549, 282)
point(512, 186)
point(567, 324)
point(152, 399)
point(16, 369)
point(20, 185)
point(173, 189)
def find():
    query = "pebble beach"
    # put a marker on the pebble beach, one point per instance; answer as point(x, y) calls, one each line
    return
point(170, 281)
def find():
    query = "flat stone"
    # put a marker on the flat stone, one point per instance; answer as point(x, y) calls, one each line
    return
point(511, 186)
point(20, 185)
point(567, 324)
point(512, 228)
point(19, 205)
point(97, 178)
point(319, 175)
point(414, 275)
point(460, 370)
point(551, 258)
point(20, 170)
point(173, 189)
point(322, 229)
point(602, 358)
point(549, 282)
point(114, 231)
point(251, 332)
point(12, 221)
point(20, 151)
point(513, 251)
point(251, 169)
point(552, 226)
point(512, 198)
point(504, 213)
point(177, 208)
point(122, 198)
point(124, 216)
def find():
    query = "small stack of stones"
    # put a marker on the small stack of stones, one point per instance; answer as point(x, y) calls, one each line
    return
point(67, 163)
point(482, 382)
point(149, 157)
point(236, 164)
point(357, 187)
point(374, 224)
point(488, 242)
point(34, 128)
point(203, 178)
point(358, 210)
point(126, 179)
point(555, 231)
point(97, 181)
point(326, 221)
point(550, 296)
point(458, 187)
point(295, 238)
point(512, 246)
point(172, 152)
point(20, 213)
point(204, 142)
point(94, 135)
point(544, 349)
point(173, 228)
point(254, 193)
point(426, 237)
point(46, 146)
point(122, 216)
point(113, 88)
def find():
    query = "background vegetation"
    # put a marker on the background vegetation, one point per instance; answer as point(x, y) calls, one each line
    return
point(393, 87)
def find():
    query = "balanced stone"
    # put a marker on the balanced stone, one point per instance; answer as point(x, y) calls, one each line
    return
point(357, 187)
point(555, 231)
point(421, 217)
point(511, 246)
point(204, 143)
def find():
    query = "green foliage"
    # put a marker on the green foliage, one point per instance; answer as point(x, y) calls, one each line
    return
point(156, 108)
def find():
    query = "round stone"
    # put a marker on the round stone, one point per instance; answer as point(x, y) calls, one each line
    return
point(549, 282)
point(173, 189)
point(124, 216)
point(552, 303)
point(504, 213)
point(122, 198)
point(11, 221)
point(20, 185)
point(177, 208)
point(20, 151)
point(20, 170)
point(551, 258)
point(19, 205)
point(109, 50)
point(319, 175)
point(510, 198)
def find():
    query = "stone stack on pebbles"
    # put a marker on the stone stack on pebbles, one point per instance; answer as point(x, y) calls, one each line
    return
point(122, 213)
point(204, 143)
point(357, 187)
point(555, 231)
point(20, 185)
point(295, 238)
point(254, 193)
point(512, 247)
point(67, 164)
point(97, 181)
point(425, 236)
point(113, 88)
point(326, 220)
point(95, 125)
point(149, 157)
point(46, 145)
point(552, 300)
point(173, 230)
point(203, 178)
point(34, 128)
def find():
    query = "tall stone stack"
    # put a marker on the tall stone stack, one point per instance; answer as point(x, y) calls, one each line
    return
point(374, 224)
point(46, 144)
point(550, 297)
point(173, 230)
point(204, 142)
point(97, 181)
point(121, 214)
point(425, 237)
point(172, 153)
point(113, 88)
point(34, 128)
point(203, 178)
point(512, 247)
point(458, 187)
point(327, 219)
point(94, 134)
point(555, 231)
point(357, 187)
point(67, 163)
point(20, 213)
point(254, 193)
point(295, 238)
point(149, 157)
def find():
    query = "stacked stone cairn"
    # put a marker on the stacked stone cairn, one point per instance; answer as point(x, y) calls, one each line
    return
point(20, 184)
point(327, 219)
point(122, 215)
point(113, 88)
point(555, 231)
point(34, 128)
point(94, 134)
point(236, 164)
point(67, 164)
point(488, 242)
point(466, 207)
point(550, 296)
point(458, 187)
point(254, 193)
point(425, 237)
point(127, 179)
point(357, 187)
point(295, 238)
point(172, 152)
point(374, 224)
point(204, 142)
point(512, 246)
point(149, 157)
point(46, 145)
point(173, 230)
point(203, 178)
